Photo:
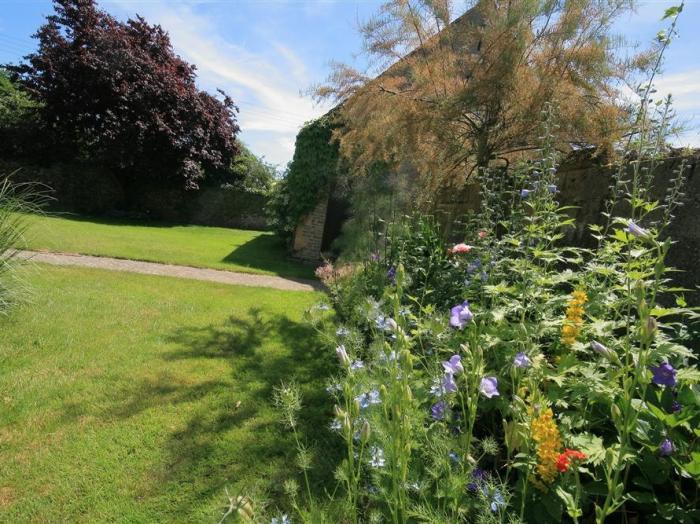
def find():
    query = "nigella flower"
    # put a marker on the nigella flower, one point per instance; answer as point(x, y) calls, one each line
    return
point(322, 306)
point(454, 457)
point(383, 357)
point(342, 332)
point(460, 315)
point(334, 388)
point(666, 448)
point(489, 387)
point(480, 476)
point(474, 266)
point(664, 375)
point(521, 360)
point(552, 188)
point(376, 457)
point(437, 390)
point(636, 231)
point(357, 364)
point(367, 399)
point(391, 274)
point(448, 383)
point(284, 519)
point(336, 425)
point(497, 501)
point(342, 355)
point(524, 193)
point(437, 411)
point(454, 365)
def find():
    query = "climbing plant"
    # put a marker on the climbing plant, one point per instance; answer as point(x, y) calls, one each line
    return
point(310, 175)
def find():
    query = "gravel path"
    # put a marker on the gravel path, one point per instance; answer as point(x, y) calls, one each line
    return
point(154, 268)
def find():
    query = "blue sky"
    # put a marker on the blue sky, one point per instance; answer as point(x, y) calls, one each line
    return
point(267, 53)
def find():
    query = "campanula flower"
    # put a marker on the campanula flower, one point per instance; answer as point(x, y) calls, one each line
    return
point(460, 315)
point(663, 375)
point(524, 193)
point(636, 231)
point(454, 365)
point(601, 349)
point(521, 360)
point(489, 387)
point(437, 411)
point(676, 406)
point(666, 448)
point(391, 274)
point(448, 383)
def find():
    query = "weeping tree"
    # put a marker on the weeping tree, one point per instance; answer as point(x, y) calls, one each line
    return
point(464, 91)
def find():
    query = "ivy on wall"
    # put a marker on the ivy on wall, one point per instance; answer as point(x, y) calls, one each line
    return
point(310, 174)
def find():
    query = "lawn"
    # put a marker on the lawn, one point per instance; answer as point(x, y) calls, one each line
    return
point(215, 247)
point(136, 398)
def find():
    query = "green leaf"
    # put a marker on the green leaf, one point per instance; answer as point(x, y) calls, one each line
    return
point(672, 11)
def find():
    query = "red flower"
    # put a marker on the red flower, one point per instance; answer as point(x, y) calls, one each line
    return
point(565, 459)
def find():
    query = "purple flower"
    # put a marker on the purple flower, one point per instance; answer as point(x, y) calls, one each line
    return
point(474, 266)
point(448, 383)
point(460, 315)
point(676, 406)
point(601, 349)
point(391, 274)
point(454, 365)
point(438, 410)
point(666, 448)
point(480, 476)
point(374, 257)
point(521, 360)
point(636, 231)
point(489, 387)
point(524, 193)
point(664, 375)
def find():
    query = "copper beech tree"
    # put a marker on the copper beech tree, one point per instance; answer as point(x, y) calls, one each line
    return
point(461, 92)
point(116, 93)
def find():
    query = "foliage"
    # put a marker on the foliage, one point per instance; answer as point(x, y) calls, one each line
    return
point(459, 95)
point(515, 378)
point(251, 173)
point(18, 118)
point(116, 92)
point(15, 199)
point(310, 175)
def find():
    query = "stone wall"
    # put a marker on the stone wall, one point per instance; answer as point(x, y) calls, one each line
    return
point(308, 235)
point(83, 189)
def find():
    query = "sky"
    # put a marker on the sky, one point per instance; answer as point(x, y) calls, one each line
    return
point(267, 54)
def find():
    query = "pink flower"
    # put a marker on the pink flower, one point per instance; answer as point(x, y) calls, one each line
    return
point(461, 248)
point(483, 234)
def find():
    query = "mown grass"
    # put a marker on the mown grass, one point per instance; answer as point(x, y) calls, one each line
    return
point(136, 398)
point(214, 247)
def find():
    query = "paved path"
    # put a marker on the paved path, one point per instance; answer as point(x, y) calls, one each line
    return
point(154, 268)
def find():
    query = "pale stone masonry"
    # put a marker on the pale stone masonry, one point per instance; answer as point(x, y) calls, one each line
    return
point(308, 235)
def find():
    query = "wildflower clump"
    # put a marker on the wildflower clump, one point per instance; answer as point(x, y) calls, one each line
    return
point(546, 435)
point(574, 317)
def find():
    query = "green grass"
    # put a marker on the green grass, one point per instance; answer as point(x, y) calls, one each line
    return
point(214, 247)
point(119, 396)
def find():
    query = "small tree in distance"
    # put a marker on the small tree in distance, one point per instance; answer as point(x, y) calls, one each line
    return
point(117, 93)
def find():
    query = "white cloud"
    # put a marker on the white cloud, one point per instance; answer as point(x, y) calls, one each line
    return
point(266, 86)
point(683, 87)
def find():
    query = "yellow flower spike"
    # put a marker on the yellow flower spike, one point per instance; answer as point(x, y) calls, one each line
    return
point(545, 433)
point(574, 317)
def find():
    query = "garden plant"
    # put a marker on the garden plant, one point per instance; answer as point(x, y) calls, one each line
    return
point(513, 377)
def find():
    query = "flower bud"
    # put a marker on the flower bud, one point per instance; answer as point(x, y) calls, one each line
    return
point(342, 355)
point(365, 432)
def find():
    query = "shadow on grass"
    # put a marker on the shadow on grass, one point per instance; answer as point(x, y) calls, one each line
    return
point(267, 252)
point(227, 445)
